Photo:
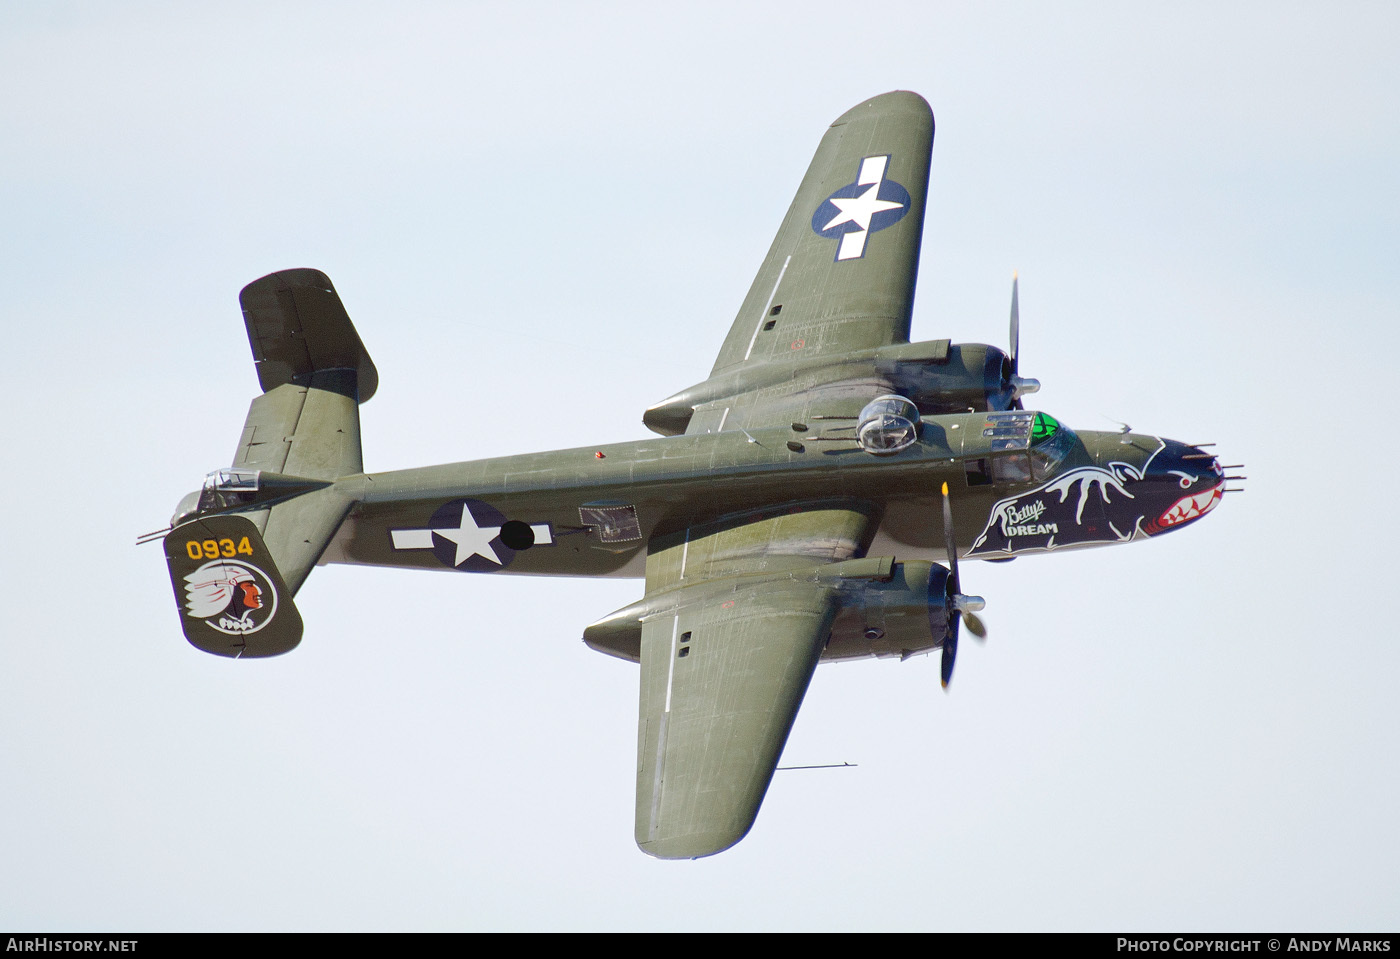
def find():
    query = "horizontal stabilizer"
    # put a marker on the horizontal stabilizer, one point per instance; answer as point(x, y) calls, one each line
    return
point(231, 596)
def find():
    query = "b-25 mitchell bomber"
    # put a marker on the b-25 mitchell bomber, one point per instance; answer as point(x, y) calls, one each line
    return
point(807, 502)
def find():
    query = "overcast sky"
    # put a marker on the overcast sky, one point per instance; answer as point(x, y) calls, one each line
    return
point(542, 220)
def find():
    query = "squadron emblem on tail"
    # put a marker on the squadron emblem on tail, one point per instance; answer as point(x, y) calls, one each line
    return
point(233, 598)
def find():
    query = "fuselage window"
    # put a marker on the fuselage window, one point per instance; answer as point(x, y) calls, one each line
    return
point(978, 474)
point(1011, 468)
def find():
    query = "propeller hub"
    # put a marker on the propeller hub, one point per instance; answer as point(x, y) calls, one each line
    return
point(968, 604)
point(1021, 385)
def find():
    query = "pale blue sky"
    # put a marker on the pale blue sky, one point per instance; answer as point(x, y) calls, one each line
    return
point(548, 215)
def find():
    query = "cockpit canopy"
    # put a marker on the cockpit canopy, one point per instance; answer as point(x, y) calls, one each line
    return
point(1046, 439)
point(228, 487)
point(888, 424)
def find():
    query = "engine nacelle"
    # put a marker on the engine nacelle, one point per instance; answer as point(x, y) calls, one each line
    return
point(884, 608)
point(910, 613)
point(938, 376)
point(974, 377)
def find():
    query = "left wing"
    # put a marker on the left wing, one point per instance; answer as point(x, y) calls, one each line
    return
point(731, 628)
point(842, 268)
point(722, 679)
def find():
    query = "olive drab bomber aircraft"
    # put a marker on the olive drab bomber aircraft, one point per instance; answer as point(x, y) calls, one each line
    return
point(807, 502)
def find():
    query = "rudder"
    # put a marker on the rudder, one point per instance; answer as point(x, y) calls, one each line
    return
point(232, 598)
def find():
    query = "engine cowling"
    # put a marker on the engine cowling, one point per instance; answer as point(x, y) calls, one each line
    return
point(975, 377)
point(910, 613)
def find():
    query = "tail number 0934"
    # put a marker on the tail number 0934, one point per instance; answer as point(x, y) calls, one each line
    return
point(214, 548)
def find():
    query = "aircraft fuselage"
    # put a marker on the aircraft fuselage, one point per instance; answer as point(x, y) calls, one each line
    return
point(591, 511)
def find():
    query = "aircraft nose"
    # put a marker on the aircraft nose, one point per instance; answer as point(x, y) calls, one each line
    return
point(1192, 479)
point(1188, 464)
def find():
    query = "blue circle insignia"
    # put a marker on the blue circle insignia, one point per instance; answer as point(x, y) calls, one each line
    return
point(466, 536)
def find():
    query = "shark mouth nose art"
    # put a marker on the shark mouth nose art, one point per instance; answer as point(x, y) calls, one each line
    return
point(1188, 508)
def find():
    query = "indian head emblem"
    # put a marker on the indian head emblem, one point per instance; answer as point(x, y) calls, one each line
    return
point(233, 598)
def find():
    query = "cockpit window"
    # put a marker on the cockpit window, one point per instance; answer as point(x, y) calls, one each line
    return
point(1048, 440)
point(228, 487)
point(1008, 429)
point(1043, 427)
point(1051, 442)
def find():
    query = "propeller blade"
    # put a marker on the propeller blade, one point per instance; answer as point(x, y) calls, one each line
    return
point(949, 540)
point(950, 644)
point(1015, 325)
point(961, 608)
point(1020, 385)
point(950, 652)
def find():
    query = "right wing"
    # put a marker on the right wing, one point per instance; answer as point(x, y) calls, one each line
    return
point(722, 679)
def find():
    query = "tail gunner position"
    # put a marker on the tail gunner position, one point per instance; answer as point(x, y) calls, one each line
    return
point(809, 500)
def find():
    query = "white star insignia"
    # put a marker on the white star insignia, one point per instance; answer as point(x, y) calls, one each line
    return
point(471, 539)
point(859, 209)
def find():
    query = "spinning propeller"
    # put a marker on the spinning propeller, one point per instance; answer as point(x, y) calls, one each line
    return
point(965, 607)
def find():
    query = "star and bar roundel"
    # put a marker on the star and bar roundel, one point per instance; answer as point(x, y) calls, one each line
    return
point(858, 209)
point(471, 536)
